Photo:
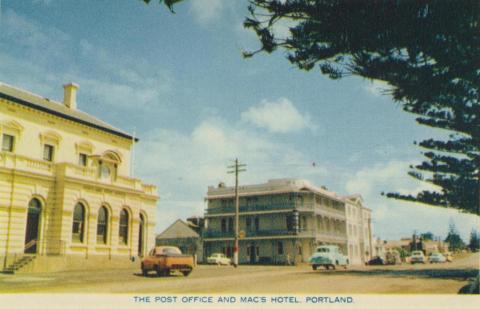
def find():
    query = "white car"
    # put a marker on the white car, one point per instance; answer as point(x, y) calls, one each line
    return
point(219, 259)
point(328, 257)
point(417, 257)
point(437, 257)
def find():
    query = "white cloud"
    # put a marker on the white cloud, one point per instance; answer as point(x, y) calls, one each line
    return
point(206, 11)
point(394, 218)
point(278, 116)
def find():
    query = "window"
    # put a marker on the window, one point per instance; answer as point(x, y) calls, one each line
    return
point(78, 223)
point(280, 247)
point(48, 152)
point(257, 224)
point(249, 224)
point(105, 171)
point(8, 142)
point(224, 225)
point(102, 225)
point(82, 159)
point(123, 230)
point(230, 224)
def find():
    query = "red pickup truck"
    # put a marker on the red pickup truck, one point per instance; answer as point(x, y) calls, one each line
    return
point(165, 259)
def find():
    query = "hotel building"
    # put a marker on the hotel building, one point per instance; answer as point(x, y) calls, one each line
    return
point(282, 221)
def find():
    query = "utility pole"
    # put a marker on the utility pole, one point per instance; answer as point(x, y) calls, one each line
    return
point(237, 168)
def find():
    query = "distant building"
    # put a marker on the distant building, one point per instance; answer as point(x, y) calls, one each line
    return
point(181, 234)
point(282, 221)
point(427, 246)
point(67, 197)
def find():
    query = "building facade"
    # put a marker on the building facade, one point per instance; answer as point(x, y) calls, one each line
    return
point(65, 184)
point(282, 222)
point(182, 234)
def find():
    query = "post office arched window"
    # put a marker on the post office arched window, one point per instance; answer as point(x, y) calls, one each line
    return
point(102, 225)
point(78, 226)
point(123, 230)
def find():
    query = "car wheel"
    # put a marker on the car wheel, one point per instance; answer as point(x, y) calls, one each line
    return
point(186, 272)
point(314, 267)
point(144, 272)
point(333, 266)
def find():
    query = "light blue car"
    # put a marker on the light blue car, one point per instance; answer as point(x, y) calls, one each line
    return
point(328, 256)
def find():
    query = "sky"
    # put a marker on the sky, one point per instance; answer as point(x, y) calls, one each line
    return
point(180, 82)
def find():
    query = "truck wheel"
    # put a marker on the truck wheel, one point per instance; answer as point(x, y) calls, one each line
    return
point(186, 272)
point(314, 267)
point(333, 266)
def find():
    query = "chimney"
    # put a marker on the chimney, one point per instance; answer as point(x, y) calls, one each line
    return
point(70, 95)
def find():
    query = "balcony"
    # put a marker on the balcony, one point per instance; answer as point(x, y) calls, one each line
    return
point(261, 233)
point(259, 208)
point(331, 236)
point(39, 167)
point(26, 164)
point(329, 212)
point(91, 174)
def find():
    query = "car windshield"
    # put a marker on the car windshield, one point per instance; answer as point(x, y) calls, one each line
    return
point(416, 253)
point(175, 251)
point(323, 250)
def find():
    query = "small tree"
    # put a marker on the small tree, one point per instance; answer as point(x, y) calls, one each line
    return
point(455, 242)
point(474, 243)
point(427, 236)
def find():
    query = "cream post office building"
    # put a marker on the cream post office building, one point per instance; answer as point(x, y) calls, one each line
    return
point(67, 199)
point(282, 221)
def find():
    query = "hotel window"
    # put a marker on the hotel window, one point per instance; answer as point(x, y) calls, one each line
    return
point(48, 152)
point(82, 159)
point(8, 142)
point(224, 225)
point(123, 229)
point(102, 225)
point(249, 224)
point(78, 223)
point(280, 247)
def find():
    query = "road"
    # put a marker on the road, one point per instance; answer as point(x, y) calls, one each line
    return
point(207, 279)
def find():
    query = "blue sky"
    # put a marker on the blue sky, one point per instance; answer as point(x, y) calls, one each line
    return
point(196, 104)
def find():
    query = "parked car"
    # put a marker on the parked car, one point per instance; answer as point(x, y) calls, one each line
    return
point(219, 259)
point(376, 260)
point(437, 257)
point(165, 259)
point(393, 258)
point(328, 256)
point(417, 257)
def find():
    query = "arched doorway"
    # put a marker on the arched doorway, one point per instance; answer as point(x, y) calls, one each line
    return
point(33, 224)
point(141, 236)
